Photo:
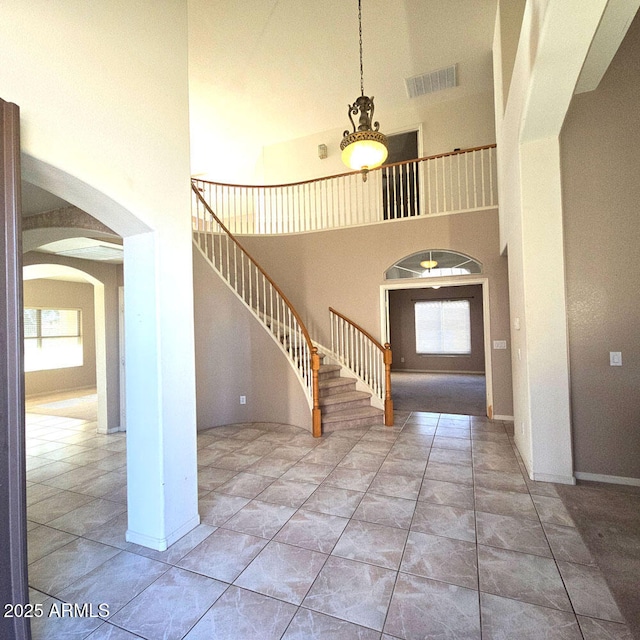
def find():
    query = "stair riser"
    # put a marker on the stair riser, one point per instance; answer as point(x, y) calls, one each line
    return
point(327, 376)
point(333, 390)
point(370, 421)
point(344, 406)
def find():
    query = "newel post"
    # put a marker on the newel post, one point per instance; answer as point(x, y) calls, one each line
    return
point(316, 417)
point(388, 400)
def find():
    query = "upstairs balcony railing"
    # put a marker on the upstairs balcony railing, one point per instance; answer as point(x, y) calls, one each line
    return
point(447, 183)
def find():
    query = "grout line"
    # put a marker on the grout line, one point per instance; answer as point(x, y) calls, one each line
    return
point(385, 456)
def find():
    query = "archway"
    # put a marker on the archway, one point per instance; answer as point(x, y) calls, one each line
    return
point(435, 269)
point(106, 381)
point(161, 488)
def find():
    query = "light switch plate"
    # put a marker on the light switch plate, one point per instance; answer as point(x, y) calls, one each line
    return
point(499, 344)
point(615, 358)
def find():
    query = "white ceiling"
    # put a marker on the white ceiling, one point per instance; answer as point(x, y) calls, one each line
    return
point(55, 272)
point(268, 71)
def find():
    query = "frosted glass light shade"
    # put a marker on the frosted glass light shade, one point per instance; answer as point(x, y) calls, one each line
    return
point(364, 153)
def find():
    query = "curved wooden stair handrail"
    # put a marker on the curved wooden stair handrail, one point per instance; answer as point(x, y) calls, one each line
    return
point(342, 175)
point(315, 357)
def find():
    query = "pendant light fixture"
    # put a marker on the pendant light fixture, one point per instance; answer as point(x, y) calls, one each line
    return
point(364, 148)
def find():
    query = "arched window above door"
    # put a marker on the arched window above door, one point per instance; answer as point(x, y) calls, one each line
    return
point(433, 263)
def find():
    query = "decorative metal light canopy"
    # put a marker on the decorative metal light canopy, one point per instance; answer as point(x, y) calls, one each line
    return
point(364, 148)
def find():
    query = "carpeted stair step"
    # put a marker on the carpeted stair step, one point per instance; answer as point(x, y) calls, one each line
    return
point(342, 401)
point(352, 419)
point(329, 371)
point(331, 386)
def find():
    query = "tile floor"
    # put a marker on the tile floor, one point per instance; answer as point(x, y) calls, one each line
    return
point(425, 530)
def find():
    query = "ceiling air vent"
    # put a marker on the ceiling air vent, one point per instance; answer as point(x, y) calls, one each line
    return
point(433, 81)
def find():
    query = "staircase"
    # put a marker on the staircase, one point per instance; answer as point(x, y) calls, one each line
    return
point(334, 400)
point(342, 405)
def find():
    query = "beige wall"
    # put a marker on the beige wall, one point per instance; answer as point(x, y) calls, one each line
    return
point(236, 356)
point(600, 162)
point(508, 23)
point(57, 294)
point(345, 269)
point(111, 277)
point(403, 334)
point(300, 72)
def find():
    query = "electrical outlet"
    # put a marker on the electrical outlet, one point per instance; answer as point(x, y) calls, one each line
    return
point(615, 358)
point(243, 399)
point(402, 359)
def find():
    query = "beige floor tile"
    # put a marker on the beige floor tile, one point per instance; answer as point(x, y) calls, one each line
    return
point(385, 547)
point(240, 614)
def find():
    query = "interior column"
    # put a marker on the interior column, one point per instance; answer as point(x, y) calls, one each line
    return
point(162, 475)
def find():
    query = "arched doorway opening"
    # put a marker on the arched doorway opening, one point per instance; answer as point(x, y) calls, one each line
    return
point(435, 314)
point(50, 287)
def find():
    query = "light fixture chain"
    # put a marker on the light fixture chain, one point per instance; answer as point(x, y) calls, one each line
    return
point(360, 34)
point(364, 148)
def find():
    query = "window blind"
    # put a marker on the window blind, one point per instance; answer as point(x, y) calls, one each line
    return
point(443, 327)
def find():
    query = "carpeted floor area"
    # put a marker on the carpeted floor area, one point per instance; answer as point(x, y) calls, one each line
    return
point(439, 392)
point(79, 404)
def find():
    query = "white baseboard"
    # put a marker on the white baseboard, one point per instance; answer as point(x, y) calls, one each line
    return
point(469, 373)
point(551, 477)
point(599, 477)
point(111, 430)
point(157, 544)
point(504, 418)
point(162, 544)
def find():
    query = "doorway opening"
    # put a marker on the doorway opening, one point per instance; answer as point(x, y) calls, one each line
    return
point(438, 343)
point(87, 290)
point(400, 184)
point(444, 383)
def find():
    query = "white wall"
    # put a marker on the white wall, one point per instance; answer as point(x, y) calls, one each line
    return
point(444, 125)
point(264, 73)
point(546, 69)
point(103, 92)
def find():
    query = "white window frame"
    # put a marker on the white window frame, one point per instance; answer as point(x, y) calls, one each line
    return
point(41, 339)
point(438, 342)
